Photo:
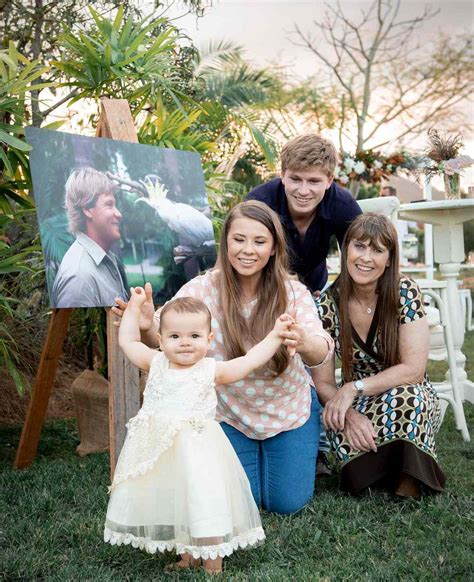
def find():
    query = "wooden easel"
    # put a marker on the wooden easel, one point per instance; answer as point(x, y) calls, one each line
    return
point(115, 122)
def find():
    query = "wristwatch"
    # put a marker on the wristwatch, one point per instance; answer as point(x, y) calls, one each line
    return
point(359, 386)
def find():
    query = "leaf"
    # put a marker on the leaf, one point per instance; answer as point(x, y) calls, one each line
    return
point(258, 136)
point(108, 54)
point(6, 162)
point(15, 376)
point(14, 142)
point(118, 19)
point(54, 125)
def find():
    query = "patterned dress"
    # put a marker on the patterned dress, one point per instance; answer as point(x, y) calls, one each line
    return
point(406, 417)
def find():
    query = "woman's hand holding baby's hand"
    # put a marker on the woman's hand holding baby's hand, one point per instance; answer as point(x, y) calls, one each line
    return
point(283, 326)
point(283, 322)
point(144, 298)
point(293, 338)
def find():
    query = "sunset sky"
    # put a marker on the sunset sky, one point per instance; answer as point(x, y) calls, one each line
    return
point(265, 29)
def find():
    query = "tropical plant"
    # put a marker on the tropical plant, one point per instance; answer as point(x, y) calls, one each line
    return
point(175, 128)
point(14, 259)
point(35, 25)
point(17, 74)
point(239, 101)
point(125, 59)
point(16, 206)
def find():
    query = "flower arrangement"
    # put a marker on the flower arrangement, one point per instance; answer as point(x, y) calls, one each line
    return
point(443, 158)
point(371, 166)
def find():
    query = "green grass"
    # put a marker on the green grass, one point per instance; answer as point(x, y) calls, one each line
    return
point(52, 517)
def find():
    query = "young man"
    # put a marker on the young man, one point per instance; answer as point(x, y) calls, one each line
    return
point(311, 206)
point(89, 274)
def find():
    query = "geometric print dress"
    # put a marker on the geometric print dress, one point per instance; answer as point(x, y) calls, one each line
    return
point(405, 418)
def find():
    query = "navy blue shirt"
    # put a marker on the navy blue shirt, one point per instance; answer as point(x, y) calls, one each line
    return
point(333, 215)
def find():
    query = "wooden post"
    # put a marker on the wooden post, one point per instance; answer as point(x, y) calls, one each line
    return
point(44, 380)
point(115, 122)
point(124, 390)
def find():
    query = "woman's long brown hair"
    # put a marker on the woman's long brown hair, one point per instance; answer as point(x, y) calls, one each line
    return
point(376, 230)
point(272, 298)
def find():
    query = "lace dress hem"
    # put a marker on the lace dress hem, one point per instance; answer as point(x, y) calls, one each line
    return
point(249, 539)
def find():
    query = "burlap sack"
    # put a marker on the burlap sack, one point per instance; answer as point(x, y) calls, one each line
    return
point(91, 396)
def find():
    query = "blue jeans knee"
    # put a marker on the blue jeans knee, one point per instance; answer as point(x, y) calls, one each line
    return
point(281, 469)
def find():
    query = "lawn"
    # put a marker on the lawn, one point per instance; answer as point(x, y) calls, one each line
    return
point(53, 512)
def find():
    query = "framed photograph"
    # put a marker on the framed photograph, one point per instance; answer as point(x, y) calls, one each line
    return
point(114, 215)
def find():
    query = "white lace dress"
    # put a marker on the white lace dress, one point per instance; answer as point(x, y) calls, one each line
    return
point(178, 483)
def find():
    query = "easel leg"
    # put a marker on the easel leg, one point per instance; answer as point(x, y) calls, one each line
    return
point(42, 387)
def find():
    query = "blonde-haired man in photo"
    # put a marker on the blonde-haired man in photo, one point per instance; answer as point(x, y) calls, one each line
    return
point(89, 274)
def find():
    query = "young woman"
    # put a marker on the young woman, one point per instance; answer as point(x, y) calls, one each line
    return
point(271, 417)
point(384, 415)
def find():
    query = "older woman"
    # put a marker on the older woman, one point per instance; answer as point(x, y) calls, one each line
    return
point(272, 416)
point(384, 415)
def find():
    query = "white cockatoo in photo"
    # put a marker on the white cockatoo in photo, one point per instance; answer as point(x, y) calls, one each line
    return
point(193, 228)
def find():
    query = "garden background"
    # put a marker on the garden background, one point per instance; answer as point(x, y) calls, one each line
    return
point(58, 59)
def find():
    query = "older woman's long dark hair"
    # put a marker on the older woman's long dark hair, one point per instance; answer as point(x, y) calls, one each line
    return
point(272, 297)
point(376, 230)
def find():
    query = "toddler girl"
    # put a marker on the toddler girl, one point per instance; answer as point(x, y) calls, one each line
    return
point(178, 483)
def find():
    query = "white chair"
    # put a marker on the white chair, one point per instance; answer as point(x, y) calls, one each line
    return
point(386, 205)
point(442, 348)
point(466, 307)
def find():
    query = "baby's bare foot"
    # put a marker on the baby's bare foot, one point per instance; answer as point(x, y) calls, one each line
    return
point(213, 566)
point(187, 561)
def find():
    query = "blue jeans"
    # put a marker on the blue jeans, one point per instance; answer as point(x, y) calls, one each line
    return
point(281, 469)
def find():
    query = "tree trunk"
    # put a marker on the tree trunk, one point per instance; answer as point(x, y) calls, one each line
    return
point(37, 118)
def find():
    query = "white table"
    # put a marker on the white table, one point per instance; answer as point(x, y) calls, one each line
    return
point(447, 217)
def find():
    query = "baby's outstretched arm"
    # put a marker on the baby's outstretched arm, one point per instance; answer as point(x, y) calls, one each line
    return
point(129, 333)
point(258, 356)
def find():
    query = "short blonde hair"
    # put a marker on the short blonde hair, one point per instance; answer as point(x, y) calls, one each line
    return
point(309, 151)
point(186, 305)
point(83, 187)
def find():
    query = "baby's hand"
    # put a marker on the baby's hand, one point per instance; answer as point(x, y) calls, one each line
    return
point(137, 297)
point(283, 323)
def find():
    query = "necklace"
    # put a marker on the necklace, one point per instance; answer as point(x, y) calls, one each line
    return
point(365, 308)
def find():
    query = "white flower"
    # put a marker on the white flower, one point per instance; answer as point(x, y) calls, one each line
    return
point(378, 164)
point(337, 171)
point(348, 164)
point(359, 168)
point(343, 179)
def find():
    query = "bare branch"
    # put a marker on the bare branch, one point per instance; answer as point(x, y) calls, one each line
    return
point(69, 96)
point(377, 51)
